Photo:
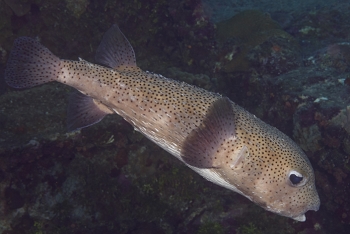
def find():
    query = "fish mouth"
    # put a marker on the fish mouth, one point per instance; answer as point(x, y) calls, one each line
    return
point(300, 218)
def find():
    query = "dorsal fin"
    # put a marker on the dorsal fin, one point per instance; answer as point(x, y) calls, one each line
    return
point(115, 51)
point(201, 145)
point(84, 111)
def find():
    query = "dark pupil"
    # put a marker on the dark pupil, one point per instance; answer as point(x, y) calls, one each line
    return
point(295, 179)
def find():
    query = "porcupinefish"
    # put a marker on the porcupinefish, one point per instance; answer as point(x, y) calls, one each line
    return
point(208, 132)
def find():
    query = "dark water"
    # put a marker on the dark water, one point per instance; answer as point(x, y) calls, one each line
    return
point(286, 62)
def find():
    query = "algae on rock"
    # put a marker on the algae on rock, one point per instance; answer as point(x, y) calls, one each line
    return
point(77, 7)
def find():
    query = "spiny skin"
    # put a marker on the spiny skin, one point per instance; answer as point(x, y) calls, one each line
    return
point(166, 111)
point(255, 161)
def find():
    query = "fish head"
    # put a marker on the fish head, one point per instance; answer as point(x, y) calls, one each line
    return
point(236, 150)
point(277, 175)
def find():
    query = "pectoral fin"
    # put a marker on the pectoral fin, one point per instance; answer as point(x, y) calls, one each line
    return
point(238, 156)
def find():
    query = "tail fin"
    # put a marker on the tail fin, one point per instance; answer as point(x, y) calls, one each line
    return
point(31, 64)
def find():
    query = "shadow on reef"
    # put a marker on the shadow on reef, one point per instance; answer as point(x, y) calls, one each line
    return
point(108, 178)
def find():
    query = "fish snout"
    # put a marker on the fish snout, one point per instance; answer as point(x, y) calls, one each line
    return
point(313, 204)
point(316, 205)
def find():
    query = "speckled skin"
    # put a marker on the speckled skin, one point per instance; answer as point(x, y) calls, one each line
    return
point(254, 159)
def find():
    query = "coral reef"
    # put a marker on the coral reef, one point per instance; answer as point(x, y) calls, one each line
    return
point(335, 55)
point(324, 23)
point(110, 179)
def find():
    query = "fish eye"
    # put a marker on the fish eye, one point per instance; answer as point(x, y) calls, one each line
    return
point(296, 178)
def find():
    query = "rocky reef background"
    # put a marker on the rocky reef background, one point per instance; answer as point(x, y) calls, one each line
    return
point(288, 64)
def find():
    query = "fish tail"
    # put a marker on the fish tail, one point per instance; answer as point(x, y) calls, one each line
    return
point(31, 64)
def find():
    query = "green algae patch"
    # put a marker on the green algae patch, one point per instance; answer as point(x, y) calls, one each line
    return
point(245, 24)
point(247, 30)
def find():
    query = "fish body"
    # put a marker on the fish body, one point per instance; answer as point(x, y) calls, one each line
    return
point(208, 132)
